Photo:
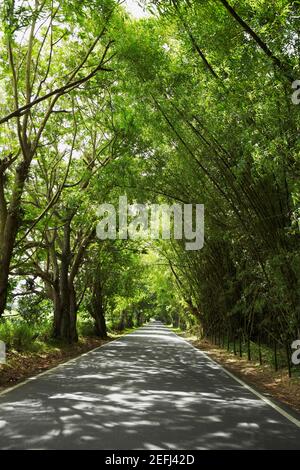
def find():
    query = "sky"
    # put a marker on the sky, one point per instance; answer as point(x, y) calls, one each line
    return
point(135, 10)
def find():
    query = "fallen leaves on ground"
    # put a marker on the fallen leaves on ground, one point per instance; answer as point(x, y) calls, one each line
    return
point(21, 365)
point(263, 378)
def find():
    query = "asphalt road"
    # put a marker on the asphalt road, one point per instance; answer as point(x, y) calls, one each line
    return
point(148, 390)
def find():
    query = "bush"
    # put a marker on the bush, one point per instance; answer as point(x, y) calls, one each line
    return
point(19, 335)
point(34, 309)
point(23, 336)
point(6, 333)
point(85, 327)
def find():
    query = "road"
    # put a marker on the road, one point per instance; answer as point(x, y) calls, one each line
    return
point(148, 390)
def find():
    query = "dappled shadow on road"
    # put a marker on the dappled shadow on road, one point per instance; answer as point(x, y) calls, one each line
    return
point(148, 390)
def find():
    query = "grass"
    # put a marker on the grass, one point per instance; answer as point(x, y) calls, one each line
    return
point(21, 336)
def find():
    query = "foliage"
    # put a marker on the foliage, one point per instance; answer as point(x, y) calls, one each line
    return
point(192, 105)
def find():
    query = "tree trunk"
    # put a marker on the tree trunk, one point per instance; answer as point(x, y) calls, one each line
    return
point(10, 229)
point(65, 304)
point(65, 315)
point(64, 330)
point(100, 324)
point(4, 274)
point(57, 312)
point(96, 308)
point(73, 335)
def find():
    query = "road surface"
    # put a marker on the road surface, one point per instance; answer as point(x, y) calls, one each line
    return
point(148, 390)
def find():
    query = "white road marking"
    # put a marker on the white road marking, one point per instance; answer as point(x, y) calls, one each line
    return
point(280, 410)
point(248, 387)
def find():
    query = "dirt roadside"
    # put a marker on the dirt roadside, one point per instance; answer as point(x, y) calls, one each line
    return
point(22, 365)
point(277, 385)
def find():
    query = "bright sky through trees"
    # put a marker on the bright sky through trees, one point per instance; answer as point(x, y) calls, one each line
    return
point(135, 10)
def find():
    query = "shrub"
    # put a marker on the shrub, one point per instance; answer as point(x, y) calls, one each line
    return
point(19, 335)
point(85, 327)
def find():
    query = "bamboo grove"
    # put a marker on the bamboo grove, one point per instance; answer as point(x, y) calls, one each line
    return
point(191, 104)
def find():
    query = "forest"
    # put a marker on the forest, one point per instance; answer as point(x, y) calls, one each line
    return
point(197, 102)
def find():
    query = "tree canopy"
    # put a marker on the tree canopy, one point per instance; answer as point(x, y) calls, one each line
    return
point(191, 105)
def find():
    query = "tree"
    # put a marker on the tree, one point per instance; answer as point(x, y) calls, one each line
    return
point(34, 69)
